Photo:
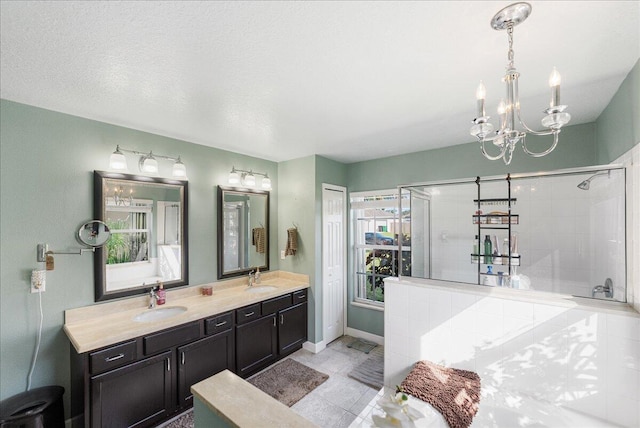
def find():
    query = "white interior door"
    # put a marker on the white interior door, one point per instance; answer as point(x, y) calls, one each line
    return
point(334, 247)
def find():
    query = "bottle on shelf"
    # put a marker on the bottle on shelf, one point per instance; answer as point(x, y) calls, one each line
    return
point(474, 257)
point(505, 247)
point(496, 251)
point(488, 250)
point(514, 244)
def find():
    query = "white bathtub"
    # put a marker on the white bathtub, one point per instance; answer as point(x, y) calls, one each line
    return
point(527, 413)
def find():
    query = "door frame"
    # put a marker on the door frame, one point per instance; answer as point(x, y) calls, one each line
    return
point(343, 190)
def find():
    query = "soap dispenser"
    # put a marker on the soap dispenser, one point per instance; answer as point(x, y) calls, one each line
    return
point(256, 276)
point(161, 293)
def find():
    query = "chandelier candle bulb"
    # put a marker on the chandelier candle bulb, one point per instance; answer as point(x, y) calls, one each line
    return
point(502, 109)
point(481, 94)
point(554, 82)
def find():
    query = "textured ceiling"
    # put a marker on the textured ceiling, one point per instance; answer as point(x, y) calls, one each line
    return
point(281, 80)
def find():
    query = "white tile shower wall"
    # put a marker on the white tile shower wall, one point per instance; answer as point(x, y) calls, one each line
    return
point(579, 358)
point(569, 239)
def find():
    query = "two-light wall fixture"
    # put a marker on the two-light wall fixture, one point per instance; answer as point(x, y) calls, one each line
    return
point(147, 163)
point(248, 178)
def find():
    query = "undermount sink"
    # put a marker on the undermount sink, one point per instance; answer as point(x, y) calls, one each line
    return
point(159, 314)
point(260, 288)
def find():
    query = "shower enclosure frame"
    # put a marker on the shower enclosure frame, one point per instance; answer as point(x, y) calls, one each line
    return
point(516, 176)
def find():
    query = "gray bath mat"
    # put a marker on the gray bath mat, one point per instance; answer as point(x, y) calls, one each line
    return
point(288, 381)
point(371, 371)
point(362, 345)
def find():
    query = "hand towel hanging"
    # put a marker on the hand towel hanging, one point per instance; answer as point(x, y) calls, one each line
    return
point(292, 242)
point(259, 239)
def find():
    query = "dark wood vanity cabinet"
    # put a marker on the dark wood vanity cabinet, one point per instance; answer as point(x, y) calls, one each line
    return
point(202, 359)
point(135, 395)
point(281, 330)
point(256, 345)
point(147, 380)
point(292, 328)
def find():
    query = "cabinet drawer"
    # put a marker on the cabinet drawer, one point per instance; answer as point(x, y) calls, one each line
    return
point(272, 306)
point(217, 324)
point(113, 357)
point(169, 338)
point(248, 313)
point(300, 296)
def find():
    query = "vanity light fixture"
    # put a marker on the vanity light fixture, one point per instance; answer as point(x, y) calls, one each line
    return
point(248, 178)
point(147, 162)
point(508, 136)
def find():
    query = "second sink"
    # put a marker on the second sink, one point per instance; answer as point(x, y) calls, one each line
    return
point(260, 289)
point(159, 314)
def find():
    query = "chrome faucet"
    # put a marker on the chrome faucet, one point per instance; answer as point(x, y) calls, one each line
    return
point(153, 298)
point(607, 289)
point(252, 278)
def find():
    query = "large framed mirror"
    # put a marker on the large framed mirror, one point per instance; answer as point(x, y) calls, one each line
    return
point(243, 231)
point(147, 218)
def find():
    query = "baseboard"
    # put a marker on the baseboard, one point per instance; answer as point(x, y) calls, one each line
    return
point(314, 347)
point(365, 335)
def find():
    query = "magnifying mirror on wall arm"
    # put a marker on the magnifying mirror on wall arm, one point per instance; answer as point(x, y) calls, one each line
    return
point(93, 234)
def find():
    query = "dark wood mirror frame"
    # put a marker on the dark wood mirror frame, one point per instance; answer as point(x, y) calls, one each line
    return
point(99, 207)
point(222, 190)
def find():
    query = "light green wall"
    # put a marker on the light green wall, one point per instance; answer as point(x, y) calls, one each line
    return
point(46, 193)
point(577, 147)
point(618, 127)
point(296, 183)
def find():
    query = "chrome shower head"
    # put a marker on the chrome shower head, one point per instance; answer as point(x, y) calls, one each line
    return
point(586, 183)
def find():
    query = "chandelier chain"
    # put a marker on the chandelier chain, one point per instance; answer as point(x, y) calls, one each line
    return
point(510, 53)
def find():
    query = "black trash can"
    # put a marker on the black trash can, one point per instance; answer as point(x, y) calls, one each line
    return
point(37, 408)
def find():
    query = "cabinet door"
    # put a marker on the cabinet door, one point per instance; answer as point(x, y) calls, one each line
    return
point(292, 328)
point(136, 395)
point(203, 359)
point(256, 345)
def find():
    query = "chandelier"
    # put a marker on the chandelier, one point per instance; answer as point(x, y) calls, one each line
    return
point(507, 136)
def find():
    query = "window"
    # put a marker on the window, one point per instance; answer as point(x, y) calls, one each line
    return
point(377, 230)
point(130, 228)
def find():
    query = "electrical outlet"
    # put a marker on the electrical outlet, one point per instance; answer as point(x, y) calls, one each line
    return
point(38, 281)
point(282, 256)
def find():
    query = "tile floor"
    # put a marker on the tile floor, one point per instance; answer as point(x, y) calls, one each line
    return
point(338, 401)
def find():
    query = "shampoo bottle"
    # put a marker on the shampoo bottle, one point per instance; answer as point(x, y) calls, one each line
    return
point(162, 294)
point(488, 251)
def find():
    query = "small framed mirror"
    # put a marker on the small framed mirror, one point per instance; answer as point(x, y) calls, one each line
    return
point(147, 221)
point(243, 231)
point(94, 233)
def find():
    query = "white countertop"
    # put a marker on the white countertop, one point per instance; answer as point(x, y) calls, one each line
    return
point(243, 405)
point(96, 326)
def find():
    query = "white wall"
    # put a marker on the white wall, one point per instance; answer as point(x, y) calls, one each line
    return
point(585, 356)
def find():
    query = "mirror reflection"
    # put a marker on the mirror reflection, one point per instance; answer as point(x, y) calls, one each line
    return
point(94, 233)
point(243, 234)
point(147, 220)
